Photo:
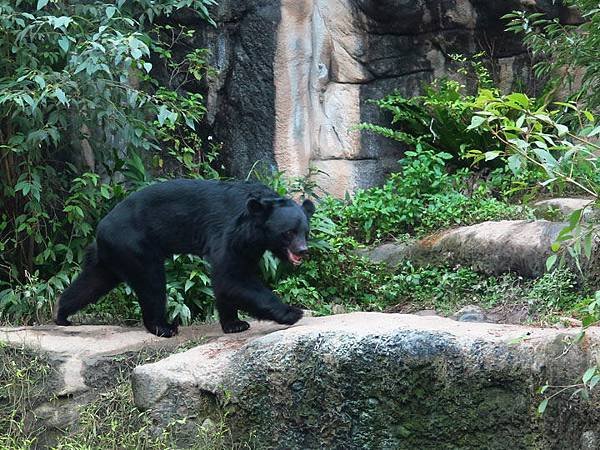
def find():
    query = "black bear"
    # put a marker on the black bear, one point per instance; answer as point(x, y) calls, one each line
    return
point(230, 223)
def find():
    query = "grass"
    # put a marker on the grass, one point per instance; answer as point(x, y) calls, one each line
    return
point(110, 421)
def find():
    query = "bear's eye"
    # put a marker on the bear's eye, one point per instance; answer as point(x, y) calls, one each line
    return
point(289, 235)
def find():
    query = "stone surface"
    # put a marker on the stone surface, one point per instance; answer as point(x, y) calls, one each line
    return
point(562, 208)
point(470, 313)
point(372, 380)
point(295, 76)
point(393, 254)
point(495, 247)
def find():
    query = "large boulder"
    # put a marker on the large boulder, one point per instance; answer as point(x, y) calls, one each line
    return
point(493, 247)
point(372, 380)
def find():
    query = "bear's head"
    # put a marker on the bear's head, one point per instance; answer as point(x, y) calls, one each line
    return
point(285, 226)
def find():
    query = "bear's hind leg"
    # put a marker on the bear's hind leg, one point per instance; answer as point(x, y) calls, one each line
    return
point(92, 283)
point(228, 316)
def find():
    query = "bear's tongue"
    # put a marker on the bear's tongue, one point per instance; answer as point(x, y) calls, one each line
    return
point(293, 258)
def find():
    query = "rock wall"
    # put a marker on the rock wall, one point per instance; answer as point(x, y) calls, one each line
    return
point(296, 75)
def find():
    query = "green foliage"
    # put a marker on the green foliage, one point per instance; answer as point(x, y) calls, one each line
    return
point(556, 290)
point(396, 206)
point(423, 196)
point(363, 285)
point(82, 123)
point(436, 121)
point(564, 51)
point(439, 122)
point(455, 209)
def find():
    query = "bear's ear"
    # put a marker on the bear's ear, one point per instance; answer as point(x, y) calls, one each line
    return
point(263, 206)
point(308, 207)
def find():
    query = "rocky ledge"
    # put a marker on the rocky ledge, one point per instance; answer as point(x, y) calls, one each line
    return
point(373, 380)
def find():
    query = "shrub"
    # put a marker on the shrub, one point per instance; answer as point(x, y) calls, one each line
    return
point(565, 51)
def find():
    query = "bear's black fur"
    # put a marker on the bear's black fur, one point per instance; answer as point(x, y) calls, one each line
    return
point(231, 224)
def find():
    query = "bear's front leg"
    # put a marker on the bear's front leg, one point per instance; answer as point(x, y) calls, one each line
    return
point(251, 296)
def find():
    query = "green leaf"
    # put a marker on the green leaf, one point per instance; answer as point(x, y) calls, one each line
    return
point(104, 192)
point(40, 81)
point(64, 43)
point(550, 262)
point(562, 129)
point(136, 53)
point(147, 67)
point(476, 121)
point(489, 156)
point(545, 157)
point(575, 217)
point(594, 132)
point(188, 285)
point(163, 113)
point(110, 11)
point(60, 95)
point(555, 246)
point(190, 123)
point(514, 163)
point(62, 21)
point(519, 98)
point(542, 406)
point(587, 376)
point(41, 4)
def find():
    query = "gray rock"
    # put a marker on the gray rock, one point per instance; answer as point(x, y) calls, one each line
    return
point(338, 309)
point(493, 247)
point(589, 440)
point(372, 380)
point(393, 254)
point(426, 312)
point(518, 246)
point(470, 313)
point(562, 208)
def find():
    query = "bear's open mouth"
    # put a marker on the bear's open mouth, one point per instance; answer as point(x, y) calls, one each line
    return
point(295, 259)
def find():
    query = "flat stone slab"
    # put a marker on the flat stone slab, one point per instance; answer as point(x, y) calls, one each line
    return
point(75, 349)
point(374, 380)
